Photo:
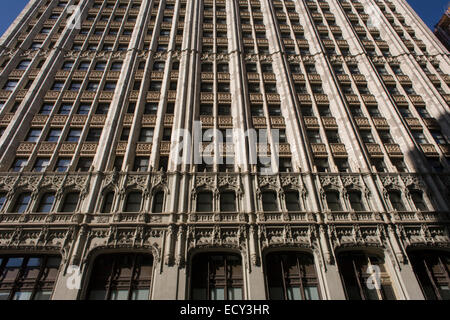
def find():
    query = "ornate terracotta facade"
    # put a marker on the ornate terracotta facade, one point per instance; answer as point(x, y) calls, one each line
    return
point(359, 89)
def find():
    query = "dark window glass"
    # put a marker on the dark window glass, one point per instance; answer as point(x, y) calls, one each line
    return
point(84, 164)
point(216, 276)
point(22, 202)
point(158, 202)
point(292, 276)
point(356, 201)
point(133, 202)
point(356, 269)
point(71, 202)
point(108, 202)
point(204, 202)
point(121, 277)
point(419, 202)
point(270, 201)
point(46, 203)
point(333, 201)
point(396, 201)
point(228, 202)
point(29, 277)
point(292, 201)
point(432, 271)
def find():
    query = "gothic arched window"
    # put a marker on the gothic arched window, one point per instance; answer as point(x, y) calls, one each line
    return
point(333, 201)
point(269, 201)
point(291, 276)
point(46, 203)
point(22, 202)
point(216, 276)
point(204, 201)
point(356, 201)
point(158, 202)
point(30, 277)
point(108, 202)
point(357, 270)
point(419, 201)
point(395, 197)
point(292, 201)
point(228, 201)
point(122, 276)
point(432, 271)
point(70, 203)
point(133, 202)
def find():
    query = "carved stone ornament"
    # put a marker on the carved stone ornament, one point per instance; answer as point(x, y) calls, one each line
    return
point(206, 181)
point(330, 181)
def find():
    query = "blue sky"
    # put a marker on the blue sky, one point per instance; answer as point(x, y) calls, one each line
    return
point(429, 10)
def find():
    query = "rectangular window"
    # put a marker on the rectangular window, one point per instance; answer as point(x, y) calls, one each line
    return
point(74, 135)
point(94, 135)
point(355, 269)
point(84, 109)
point(217, 277)
point(33, 135)
point(19, 164)
point(53, 135)
point(41, 164)
point(110, 86)
point(292, 276)
point(121, 277)
point(46, 108)
point(75, 86)
point(141, 164)
point(28, 277)
point(102, 108)
point(65, 109)
point(62, 165)
point(167, 134)
point(146, 135)
point(151, 108)
point(10, 85)
point(84, 164)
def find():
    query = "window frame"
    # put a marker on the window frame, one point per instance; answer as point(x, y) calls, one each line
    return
point(302, 279)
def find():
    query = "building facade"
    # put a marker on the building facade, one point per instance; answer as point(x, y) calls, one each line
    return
point(352, 95)
point(442, 29)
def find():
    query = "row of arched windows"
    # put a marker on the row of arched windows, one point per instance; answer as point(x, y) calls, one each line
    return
point(357, 203)
point(46, 203)
point(134, 202)
point(289, 275)
point(205, 202)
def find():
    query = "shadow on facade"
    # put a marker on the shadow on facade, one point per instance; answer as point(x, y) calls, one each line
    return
point(428, 190)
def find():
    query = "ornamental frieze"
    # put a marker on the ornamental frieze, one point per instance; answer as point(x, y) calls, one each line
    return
point(218, 236)
point(286, 235)
point(7, 182)
point(351, 181)
point(330, 181)
point(423, 235)
point(206, 181)
point(390, 181)
point(268, 181)
point(229, 181)
point(291, 181)
point(43, 238)
point(414, 181)
point(139, 181)
point(356, 235)
point(116, 237)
